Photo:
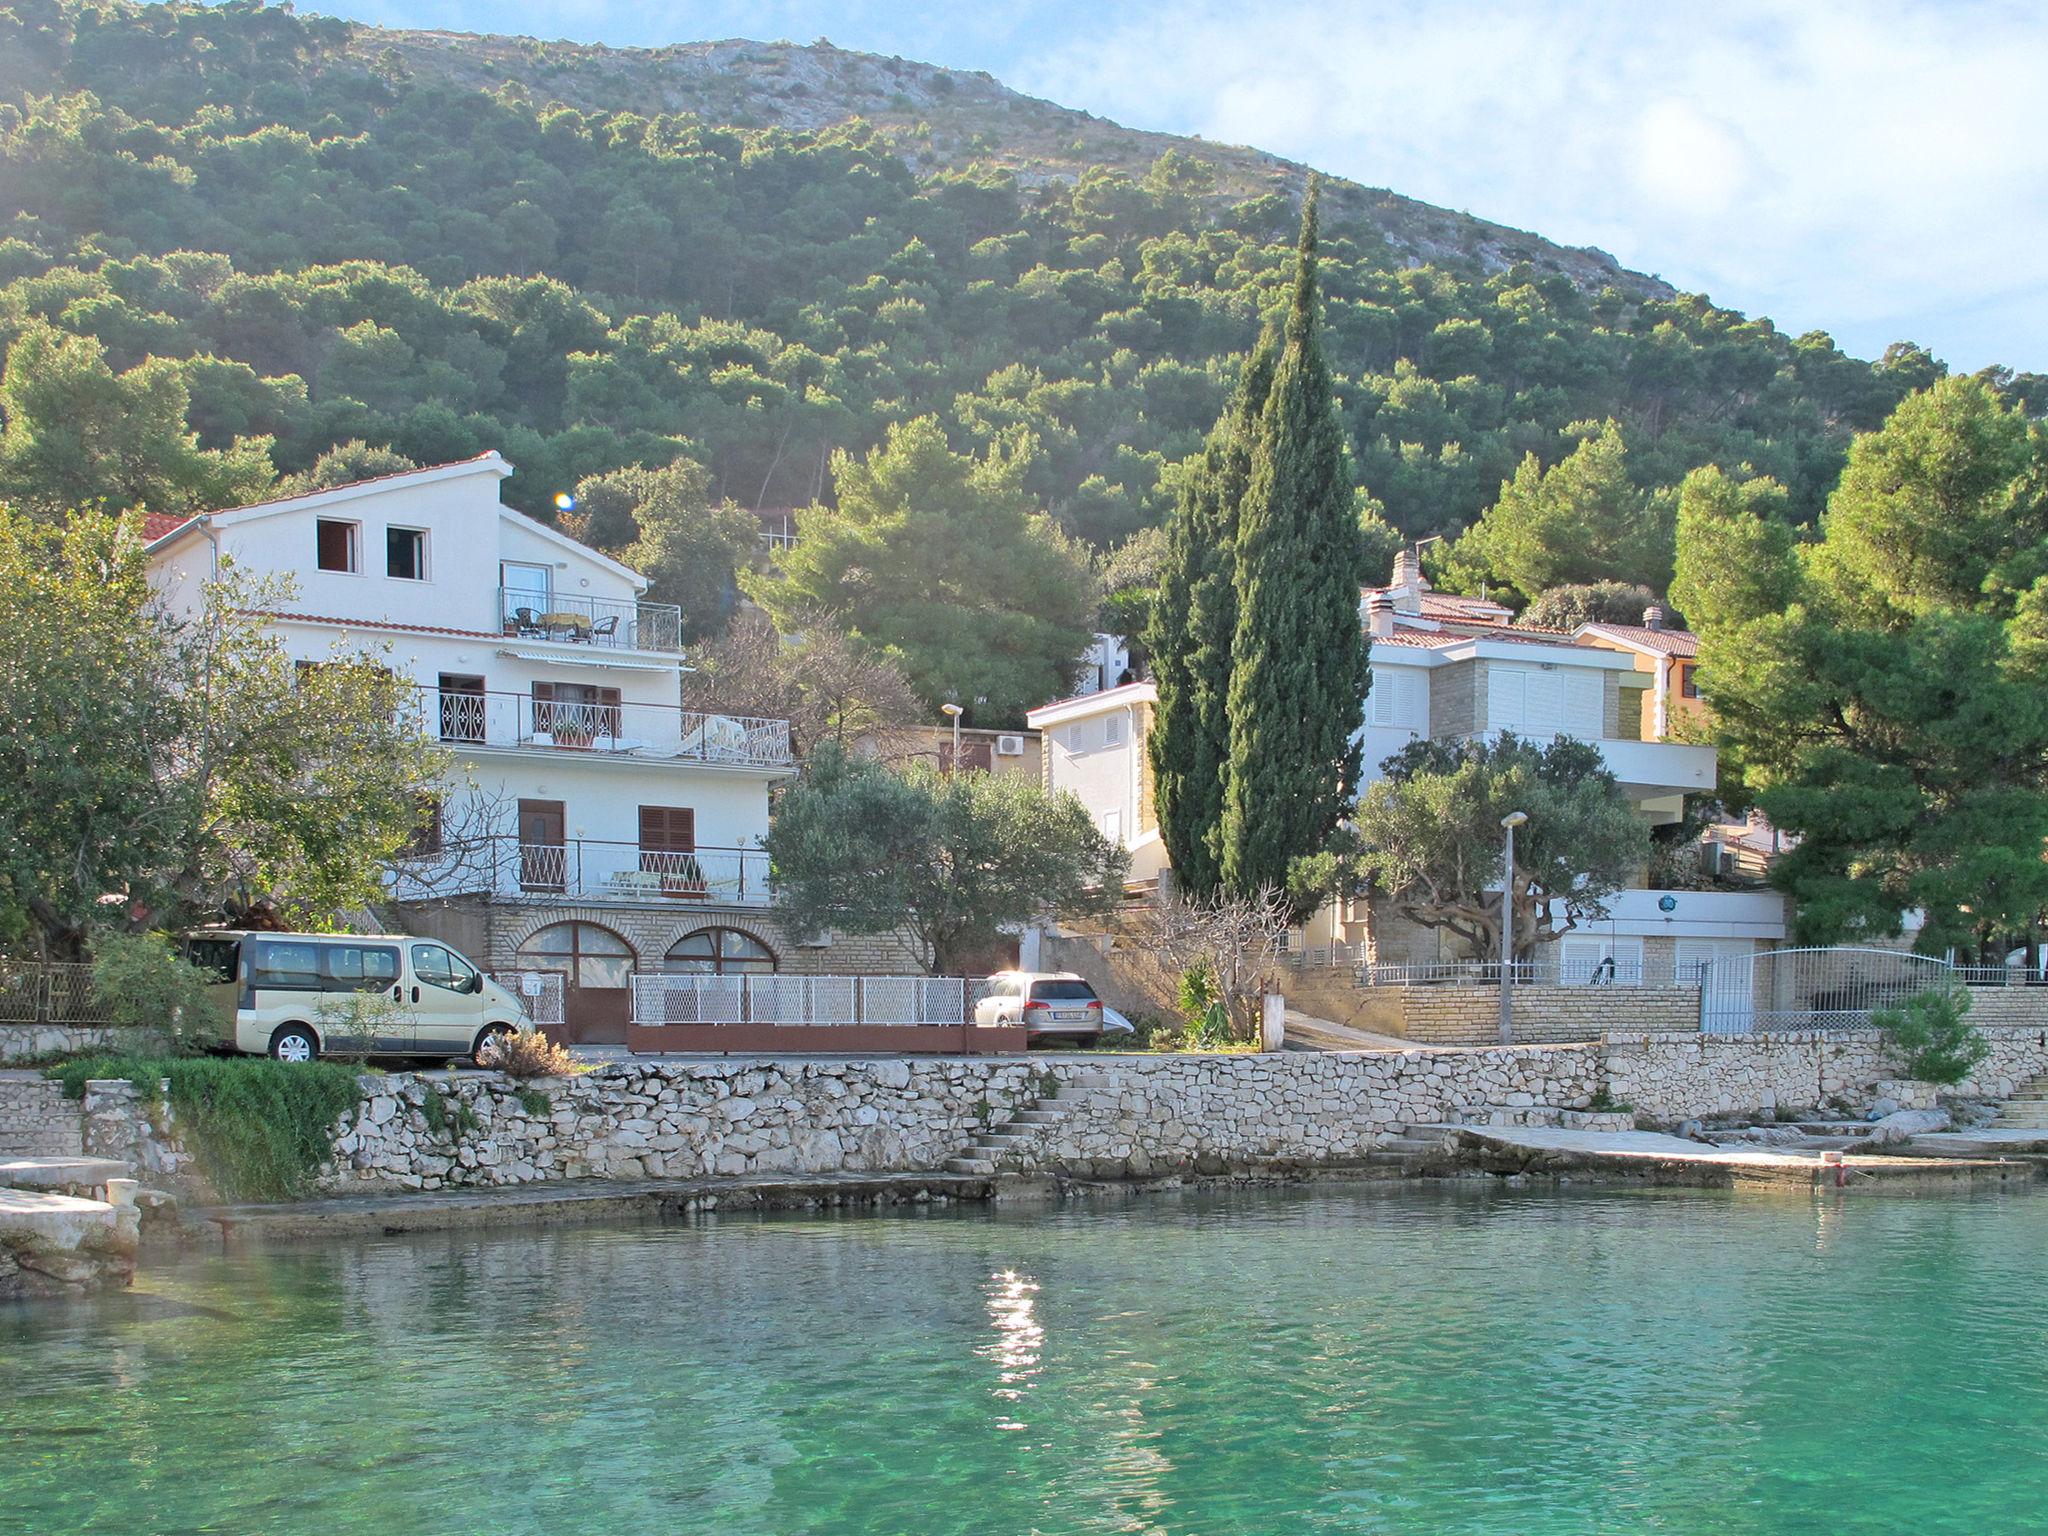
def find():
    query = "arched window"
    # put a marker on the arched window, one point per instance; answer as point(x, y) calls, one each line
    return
point(724, 951)
point(590, 956)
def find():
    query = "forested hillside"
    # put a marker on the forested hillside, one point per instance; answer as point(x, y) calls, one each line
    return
point(288, 233)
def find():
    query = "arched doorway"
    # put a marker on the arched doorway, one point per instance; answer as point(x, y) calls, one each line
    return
point(721, 952)
point(597, 972)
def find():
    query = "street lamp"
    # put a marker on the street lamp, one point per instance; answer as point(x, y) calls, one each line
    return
point(1509, 822)
point(953, 712)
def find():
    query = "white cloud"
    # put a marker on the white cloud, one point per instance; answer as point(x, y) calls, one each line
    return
point(1871, 169)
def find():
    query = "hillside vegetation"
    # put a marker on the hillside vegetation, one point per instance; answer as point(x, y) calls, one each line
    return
point(288, 233)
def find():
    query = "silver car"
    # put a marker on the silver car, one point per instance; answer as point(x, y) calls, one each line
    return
point(1051, 1005)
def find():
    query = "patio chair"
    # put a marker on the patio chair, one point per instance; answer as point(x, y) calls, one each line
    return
point(526, 621)
point(605, 628)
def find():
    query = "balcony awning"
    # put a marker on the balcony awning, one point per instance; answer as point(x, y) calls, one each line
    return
point(578, 658)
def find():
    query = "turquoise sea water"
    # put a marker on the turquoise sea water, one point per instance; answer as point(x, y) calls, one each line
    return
point(1370, 1360)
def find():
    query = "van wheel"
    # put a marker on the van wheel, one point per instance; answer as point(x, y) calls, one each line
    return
point(487, 1033)
point(294, 1042)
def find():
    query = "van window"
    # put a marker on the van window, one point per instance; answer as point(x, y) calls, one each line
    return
point(284, 965)
point(360, 967)
point(1062, 992)
point(217, 957)
point(439, 966)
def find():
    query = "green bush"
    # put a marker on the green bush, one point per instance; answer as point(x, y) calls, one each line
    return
point(259, 1129)
point(1929, 1035)
point(142, 984)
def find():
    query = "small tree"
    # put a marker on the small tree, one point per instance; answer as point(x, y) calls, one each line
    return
point(828, 687)
point(142, 985)
point(1226, 949)
point(951, 860)
point(1930, 1036)
point(1429, 837)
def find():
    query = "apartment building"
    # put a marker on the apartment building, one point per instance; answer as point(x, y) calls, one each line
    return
point(591, 826)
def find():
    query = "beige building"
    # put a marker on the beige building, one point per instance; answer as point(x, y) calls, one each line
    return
point(1094, 747)
point(1006, 752)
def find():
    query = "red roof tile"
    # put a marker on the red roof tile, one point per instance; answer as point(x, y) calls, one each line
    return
point(156, 524)
point(411, 629)
point(1669, 642)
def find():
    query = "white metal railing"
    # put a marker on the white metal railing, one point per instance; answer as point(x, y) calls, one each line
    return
point(696, 998)
point(540, 993)
point(1820, 989)
point(516, 720)
point(620, 624)
point(1615, 972)
point(1328, 955)
point(586, 867)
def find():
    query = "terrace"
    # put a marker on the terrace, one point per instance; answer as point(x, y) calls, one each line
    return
point(558, 618)
point(604, 726)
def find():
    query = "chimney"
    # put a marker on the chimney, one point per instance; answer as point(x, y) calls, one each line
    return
point(1408, 570)
point(1379, 615)
point(1654, 617)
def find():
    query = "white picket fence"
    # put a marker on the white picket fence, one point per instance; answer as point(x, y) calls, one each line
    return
point(700, 999)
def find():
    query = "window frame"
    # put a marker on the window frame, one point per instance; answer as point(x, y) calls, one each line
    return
point(353, 531)
point(419, 536)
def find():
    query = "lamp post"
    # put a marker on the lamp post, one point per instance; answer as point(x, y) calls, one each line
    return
point(953, 712)
point(1509, 822)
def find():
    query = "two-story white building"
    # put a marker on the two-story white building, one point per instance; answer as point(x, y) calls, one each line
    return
point(1447, 667)
point(592, 827)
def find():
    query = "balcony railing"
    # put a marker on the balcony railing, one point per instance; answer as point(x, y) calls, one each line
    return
point(604, 621)
point(509, 721)
point(593, 869)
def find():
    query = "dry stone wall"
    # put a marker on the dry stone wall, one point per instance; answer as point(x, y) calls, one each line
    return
point(36, 1120)
point(24, 1042)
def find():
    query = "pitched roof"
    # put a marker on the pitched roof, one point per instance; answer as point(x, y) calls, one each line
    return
point(156, 524)
point(1662, 642)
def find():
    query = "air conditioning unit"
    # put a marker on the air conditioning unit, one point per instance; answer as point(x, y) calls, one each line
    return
point(822, 939)
point(1009, 746)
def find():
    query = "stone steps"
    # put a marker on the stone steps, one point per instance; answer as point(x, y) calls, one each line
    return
point(2027, 1109)
point(999, 1146)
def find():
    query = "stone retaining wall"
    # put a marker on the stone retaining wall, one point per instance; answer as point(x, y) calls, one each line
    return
point(36, 1120)
point(1124, 1115)
point(23, 1042)
point(1453, 1013)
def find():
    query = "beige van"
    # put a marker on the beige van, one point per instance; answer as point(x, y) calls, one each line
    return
point(298, 996)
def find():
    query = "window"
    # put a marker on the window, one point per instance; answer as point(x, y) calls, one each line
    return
point(359, 967)
point(1062, 992)
point(439, 966)
point(1112, 730)
point(528, 593)
point(720, 951)
point(339, 544)
point(575, 714)
point(668, 849)
point(405, 553)
point(284, 966)
point(1112, 825)
point(462, 707)
point(1688, 685)
point(586, 955)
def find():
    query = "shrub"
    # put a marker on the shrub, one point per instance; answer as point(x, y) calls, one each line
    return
point(449, 1116)
point(358, 1017)
point(1929, 1035)
point(143, 984)
point(536, 1102)
point(525, 1056)
point(259, 1129)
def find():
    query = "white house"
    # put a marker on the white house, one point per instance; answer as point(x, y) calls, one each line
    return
point(1450, 667)
point(609, 830)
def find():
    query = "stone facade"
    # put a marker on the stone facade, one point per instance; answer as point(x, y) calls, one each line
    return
point(36, 1120)
point(1470, 1015)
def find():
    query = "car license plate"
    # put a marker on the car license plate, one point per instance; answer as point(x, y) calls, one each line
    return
point(1064, 1014)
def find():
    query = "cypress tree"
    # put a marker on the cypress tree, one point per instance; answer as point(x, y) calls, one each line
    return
point(1298, 674)
point(1193, 627)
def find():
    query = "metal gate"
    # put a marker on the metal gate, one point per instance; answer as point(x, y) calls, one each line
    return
point(1778, 989)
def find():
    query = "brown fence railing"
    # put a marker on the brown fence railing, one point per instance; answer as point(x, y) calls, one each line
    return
point(32, 992)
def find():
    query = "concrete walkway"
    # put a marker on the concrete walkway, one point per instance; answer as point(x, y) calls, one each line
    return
point(1984, 1141)
point(1656, 1158)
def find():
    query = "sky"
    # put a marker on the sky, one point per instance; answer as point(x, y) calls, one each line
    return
point(1868, 169)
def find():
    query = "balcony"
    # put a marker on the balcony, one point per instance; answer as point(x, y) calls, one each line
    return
point(651, 732)
point(606, 622)
point(1646, 769)
point(591, 869)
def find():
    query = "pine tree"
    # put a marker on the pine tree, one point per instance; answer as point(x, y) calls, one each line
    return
point(1194, 625)
point(1298, 664)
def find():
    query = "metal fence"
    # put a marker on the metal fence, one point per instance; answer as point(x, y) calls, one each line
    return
point(34, 993)
point(775, 999)
point(1781, 989)
point(1616, 971)
point(539, 992)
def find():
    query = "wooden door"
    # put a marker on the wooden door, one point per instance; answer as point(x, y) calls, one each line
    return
point(543, 854)
point(668, 848)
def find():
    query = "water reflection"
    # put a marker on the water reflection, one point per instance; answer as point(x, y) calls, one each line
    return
point(1019, 1336)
